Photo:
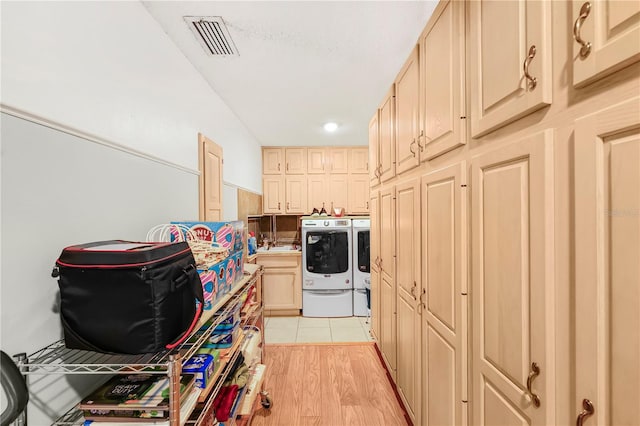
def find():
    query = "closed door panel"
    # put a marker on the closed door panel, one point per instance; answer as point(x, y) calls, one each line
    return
point(502, 59)
point(408, 343)
point(607, 38)
point(358, 198)
point(444, 296)
point(407, 107)
point(316, 192)
point(408, 238)
point(296, 160)
point(280, 289)
point(272, 161)
point(387, 139)
point(442, 399)
point(210, 179)
point(315, 160)
point(296, 194)
point(607, 272)
point(512, 287)
point(387, 242)
point(374, 239)
point(359, 160)
point(388, 324)
point(273, 197)
point(374, 147)
point(443, 82)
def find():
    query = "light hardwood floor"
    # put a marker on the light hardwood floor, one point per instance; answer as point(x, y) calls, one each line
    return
point(332, 385)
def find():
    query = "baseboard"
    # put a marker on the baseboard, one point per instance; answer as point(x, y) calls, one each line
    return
point(393, 385)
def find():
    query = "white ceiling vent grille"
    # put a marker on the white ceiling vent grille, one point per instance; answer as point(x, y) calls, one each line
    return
point(213, 35)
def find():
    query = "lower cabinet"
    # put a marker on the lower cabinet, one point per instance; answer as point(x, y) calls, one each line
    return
point(512, 279)
point(443, 302)
point(281, 282)
point(607, 277)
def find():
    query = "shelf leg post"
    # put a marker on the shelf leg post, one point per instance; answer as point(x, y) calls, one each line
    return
point(175, 368)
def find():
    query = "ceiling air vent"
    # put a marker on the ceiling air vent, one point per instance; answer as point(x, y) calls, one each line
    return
point(213, 35)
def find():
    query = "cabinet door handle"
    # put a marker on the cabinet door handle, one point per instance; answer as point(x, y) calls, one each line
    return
point(287, 166)
point(535, 372)
point(278, 205)
point(587, 411)
point(367, 205)
point(278, 166)
point(585, 48)
point(413, 290)
point(287, 205)
point(421, 304)
point(411, 147)
point(533, 82)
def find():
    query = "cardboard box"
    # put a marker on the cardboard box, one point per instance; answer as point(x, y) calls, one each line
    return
point(202, 366)
point(229, 235)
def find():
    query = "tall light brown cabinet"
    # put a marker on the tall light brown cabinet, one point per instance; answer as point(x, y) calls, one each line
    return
point(505, 215)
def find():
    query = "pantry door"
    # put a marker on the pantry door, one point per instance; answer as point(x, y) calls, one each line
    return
point(210, 181)
point(607, 272)
point(512, 285)
point(444, 297)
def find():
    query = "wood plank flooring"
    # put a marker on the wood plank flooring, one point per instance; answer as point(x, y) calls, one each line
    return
point(333, 385)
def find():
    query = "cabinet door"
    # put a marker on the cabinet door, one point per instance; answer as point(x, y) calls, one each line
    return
point(279, 288)
point(359, 160)
point(273, 195)
point(513, 283)
point(316, 192)
point(315, 160)
point(609, 30)
point(374, 147)
point(442, 74)
point(444, 297)
point(408, 286)
point(338, 160)
point(607, 276)
point(358, 198)
point(387, 139)
point(374, 245)
point(503, 33)
point(272, 161)
point(296, 194)
point(337, 192)
point(387, 278)
point(407, 107)
point(296, 161)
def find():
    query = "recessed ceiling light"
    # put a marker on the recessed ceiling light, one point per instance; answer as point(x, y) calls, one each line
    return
point(331, 126)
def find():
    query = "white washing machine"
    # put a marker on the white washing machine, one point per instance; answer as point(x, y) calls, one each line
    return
point(327, 280)
point(361, 272)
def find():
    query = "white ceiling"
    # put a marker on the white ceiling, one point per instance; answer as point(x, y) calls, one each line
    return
point(301, 63)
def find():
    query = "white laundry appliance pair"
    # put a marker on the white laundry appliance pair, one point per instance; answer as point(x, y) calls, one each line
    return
point(331, 252)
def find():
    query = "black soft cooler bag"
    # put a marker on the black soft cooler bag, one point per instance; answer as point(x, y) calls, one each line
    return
point(128, 297)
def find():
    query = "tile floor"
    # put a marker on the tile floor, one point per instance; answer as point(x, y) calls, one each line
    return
point(316, 330)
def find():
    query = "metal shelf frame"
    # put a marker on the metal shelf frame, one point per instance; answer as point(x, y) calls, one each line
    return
point(55, 358)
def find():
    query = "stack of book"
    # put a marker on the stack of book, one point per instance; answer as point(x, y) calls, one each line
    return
point(133, 398)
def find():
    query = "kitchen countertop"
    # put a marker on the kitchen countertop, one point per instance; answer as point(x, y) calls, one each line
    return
point(277, 251)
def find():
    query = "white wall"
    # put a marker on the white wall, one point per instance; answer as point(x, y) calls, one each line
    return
point(107, 70)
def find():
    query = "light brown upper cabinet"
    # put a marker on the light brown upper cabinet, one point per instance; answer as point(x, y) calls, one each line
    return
point(296, 161)
point(606, 36)
point(272, 161)
point(273, 195)
point(407, 111)
point(387, 138)
point(374, 148)
point(510, 49)
point(442, 107)
point(359, 160)
point(315, 160)
point(338, 159)
point(296, 194)
point(358, 196)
